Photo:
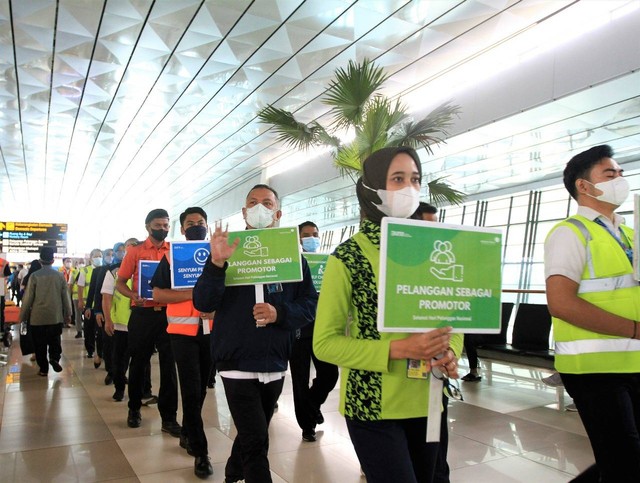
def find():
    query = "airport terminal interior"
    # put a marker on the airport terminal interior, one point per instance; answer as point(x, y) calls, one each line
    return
point(111, 108)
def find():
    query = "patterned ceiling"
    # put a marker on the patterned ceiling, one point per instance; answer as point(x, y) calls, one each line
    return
point(109, 108)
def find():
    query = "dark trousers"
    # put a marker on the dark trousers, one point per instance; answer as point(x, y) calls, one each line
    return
point(471, 341)
point(193, 358)
point(307, 400)
point(609, 406)
point(251, 404)
point(441, 474)
point(119, 358)
point(120, 363)
point(2, 313)
point(394, 450)
point(92, 336)
point(107, 349)
point(148, 329)
point(46, 337)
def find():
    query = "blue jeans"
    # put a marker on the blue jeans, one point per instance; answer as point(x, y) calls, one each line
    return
point(394, 450)
point(251, 404)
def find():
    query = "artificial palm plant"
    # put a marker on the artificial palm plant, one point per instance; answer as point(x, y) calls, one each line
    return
point(357, 105)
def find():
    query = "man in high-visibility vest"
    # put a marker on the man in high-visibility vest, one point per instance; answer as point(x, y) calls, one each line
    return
point(84, 281)
point(189, 331)
point(595, 304)
point(117, 310)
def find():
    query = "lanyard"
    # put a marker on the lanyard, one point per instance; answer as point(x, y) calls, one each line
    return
point(627, 250)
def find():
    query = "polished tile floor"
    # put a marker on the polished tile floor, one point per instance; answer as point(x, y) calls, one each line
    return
point(66, 428)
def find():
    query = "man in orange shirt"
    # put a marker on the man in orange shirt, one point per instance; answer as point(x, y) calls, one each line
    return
point(148, 328)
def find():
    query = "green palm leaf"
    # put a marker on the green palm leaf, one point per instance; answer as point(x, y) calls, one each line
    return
point(441, 192)
point(350, 91)
point(289, 131)
point(427, 132)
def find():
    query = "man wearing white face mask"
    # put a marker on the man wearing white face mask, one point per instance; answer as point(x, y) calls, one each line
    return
point(252, 341)
point(308, 400)
point(595, 304)
point(84, 282)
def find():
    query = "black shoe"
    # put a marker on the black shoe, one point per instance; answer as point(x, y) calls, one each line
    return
point(471, 377)
point(56, 366)
point(202, 467)
point(78, 335)
point(134, 419)
point(184, 443)
point(319, 417)
point(171, 427)
point(108, 379)
point(211, 384)
point(89, 355)
point(309, 435)
point(118, 395)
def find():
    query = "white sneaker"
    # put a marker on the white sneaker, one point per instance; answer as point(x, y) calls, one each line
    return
point(554, 380)
point(571, 407)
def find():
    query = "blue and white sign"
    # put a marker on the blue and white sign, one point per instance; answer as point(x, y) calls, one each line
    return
point(146, 271)
point(187, 262)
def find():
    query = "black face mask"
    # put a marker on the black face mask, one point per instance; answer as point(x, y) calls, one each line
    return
point(196, 232)
point(159, 235)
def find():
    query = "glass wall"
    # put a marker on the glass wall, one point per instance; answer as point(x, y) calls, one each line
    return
point(525, 219)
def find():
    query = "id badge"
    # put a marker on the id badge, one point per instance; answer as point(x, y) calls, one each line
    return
point(417, 369)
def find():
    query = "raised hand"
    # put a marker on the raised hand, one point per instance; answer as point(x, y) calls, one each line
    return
point(221, 251)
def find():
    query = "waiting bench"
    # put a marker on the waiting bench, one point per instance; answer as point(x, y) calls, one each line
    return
point(530, 341)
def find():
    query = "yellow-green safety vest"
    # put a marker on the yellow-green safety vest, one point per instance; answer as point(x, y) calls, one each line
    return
point(121, 307)
point(607, 282)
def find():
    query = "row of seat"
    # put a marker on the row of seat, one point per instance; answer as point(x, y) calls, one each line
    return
point(530, 345)
point(530, 338)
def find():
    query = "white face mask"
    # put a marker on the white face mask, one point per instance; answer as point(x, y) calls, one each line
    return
point(259, 216)
point(96, 262)
point(614, 191)
point(398, 204)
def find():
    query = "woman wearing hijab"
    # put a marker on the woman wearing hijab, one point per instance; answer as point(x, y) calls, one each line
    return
point(386, 412)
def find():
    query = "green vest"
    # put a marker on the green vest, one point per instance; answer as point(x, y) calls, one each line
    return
point(120, 307)
point(88, 271)
point(607, 282)
point(74, 283)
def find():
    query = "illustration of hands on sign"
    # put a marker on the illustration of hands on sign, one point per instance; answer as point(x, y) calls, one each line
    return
point(443, 256)
point(253, 248)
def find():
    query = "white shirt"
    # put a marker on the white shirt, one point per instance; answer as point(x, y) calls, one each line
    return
point(263, 377)
point(564, 253)
point(109, 284)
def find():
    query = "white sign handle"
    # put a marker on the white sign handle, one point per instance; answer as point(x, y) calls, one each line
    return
point(259, 293)
point(259, 299)
point(434, 417)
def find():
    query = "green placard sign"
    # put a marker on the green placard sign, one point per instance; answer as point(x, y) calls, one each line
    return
point(317, 263)
point(434, 275)
point(270, 255)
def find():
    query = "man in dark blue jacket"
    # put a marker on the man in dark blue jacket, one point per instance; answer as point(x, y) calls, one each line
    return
point(252, 341)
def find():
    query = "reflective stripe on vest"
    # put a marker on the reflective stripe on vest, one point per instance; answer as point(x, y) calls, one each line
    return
point(591, 346)
point(606, 282)
point(183, 318)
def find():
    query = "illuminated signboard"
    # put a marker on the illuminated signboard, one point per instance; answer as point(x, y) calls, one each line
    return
point(21, 237)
